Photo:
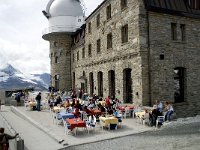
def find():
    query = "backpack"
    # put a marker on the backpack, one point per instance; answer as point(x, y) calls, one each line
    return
point(4, 140)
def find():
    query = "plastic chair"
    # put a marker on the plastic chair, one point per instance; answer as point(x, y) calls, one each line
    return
point(91, 123)
point(67, 127)
point(160, 119)
point(127, 113)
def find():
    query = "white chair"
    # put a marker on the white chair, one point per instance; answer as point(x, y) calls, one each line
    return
point(57, 118)
point(67, 127)
point(160, 119)
point(91, 123)
point(127, 113)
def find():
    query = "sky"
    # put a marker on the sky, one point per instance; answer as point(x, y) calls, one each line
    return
point(21, 26)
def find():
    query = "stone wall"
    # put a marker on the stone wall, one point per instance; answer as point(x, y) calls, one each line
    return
point(177, 53)
point(60, 47)
point(117, 58)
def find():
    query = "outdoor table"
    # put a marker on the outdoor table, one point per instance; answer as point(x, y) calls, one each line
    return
point(57, 109)
point(76, 122)
point(31, 104)
point(140, 114)
point(96, 112)
point(108, 120)
point(122, 108)
point(66, 115)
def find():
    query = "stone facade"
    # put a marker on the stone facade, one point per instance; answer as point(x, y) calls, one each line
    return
point(141, 70)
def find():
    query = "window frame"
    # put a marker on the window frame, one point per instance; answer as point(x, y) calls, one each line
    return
point(109, 40)
point(99, 46)
point(174, 31)
point(108, 12)
point(124, 34)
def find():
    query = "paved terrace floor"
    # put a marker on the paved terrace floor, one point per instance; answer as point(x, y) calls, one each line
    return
point(45, 121)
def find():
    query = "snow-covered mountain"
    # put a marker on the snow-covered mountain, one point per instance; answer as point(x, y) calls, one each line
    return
point(11, 78)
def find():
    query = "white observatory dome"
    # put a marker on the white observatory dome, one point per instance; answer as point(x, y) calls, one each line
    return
point(64, 16)
point(65, 8)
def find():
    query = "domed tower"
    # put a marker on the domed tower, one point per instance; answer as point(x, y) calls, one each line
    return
point(65, 17)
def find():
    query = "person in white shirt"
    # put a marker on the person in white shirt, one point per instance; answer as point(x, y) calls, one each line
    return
point(169, 112)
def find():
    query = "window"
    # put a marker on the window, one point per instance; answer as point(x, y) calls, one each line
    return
point(56, 59)
point(194, 4)
point(78, 56)
point(108, 12)
point(109, 40)
point(98, 20)
point(83, 52)
point(89, 27)
point(179, 85)
point(123, 4)
point(98, 46)
point(174, 31)
point(182, 27)
point(124, 33)
point(89, 50)
point(79, 20)
point(73, 59)
point(55, 44)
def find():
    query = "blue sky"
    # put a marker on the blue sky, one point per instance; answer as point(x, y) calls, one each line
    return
point(21, 26)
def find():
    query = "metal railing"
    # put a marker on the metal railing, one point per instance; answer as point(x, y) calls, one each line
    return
point(54, 29)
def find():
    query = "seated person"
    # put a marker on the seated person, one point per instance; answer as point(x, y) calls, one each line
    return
point(159, 107)
point(89, 112)
point(170, 111)
point(117, 114)
point(153, 115)
point(67, 104)
point(58, 101)
point(110, 111)
point(73, 102)
point(76, 112)
point(101, 108)
point(78, 105)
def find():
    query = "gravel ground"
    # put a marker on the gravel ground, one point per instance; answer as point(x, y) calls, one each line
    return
point(183, 134)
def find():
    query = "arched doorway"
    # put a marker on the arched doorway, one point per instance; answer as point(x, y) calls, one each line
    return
point(100, 83)
point(91, 80)
point(111, 83)
point(127, 85)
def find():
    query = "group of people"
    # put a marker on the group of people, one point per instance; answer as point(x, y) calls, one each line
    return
point(75, 105)
point(160, 109)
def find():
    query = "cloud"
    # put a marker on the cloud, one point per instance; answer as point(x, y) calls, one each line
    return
point(21, 42)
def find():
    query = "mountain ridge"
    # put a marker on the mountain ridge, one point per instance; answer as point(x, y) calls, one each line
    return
point(12, 78)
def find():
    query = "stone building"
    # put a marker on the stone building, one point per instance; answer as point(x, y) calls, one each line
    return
point(134, 50)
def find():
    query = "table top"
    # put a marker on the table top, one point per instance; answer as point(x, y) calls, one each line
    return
point(96, 111)
point(57, 109)
point(76, 122)
point(109, 120)
point(66, 115)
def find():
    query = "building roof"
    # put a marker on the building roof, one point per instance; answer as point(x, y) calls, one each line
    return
point(64, 8)
point(174, 7)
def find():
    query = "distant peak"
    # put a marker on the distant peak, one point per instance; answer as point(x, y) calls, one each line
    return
point(9, 69)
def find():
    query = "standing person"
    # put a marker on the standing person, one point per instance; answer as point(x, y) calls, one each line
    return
point(4, 139)
point(17, 98)
point(38, 99)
